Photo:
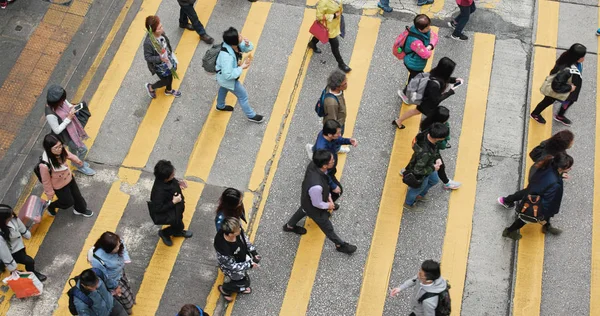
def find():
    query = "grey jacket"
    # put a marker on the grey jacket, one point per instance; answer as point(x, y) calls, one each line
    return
point(427, 308)
point(151, 56)
point(17, 229)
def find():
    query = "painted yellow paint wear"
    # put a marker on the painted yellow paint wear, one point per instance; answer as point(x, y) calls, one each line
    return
point(300, 283)
point(433, 9)
point(108, 219)
point(150, 127)
point(462, 202)
point(207, 144)
point(283, 102)
point(163, 259)
point(547, 23)
point(378, 267)
point(595, 258)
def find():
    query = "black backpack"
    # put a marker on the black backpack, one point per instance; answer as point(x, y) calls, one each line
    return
point(443, 307)
point(36, 169)
point(74, 291)
point(530, 208)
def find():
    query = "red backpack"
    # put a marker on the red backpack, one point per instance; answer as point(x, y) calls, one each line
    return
point(398, 49)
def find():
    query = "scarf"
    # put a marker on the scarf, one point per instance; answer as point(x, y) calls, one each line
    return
point(74, 129)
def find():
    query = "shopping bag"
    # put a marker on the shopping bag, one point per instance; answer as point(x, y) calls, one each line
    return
point(319, 31)
point(31, 212)
point(24, 284)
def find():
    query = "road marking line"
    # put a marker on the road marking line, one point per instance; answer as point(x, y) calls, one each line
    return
point(378, 266)
point(547, 23)
point(208, 142)
point(461, 206)
point(150, 127)
point(595, 258)
point(308, 255)
point(433, 9)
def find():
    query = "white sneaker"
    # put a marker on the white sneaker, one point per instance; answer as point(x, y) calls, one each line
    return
point(452, 185)
point(309, 151)
point(344, 150)
point(403, 97)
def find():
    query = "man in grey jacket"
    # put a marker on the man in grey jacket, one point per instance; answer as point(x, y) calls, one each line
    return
point(188, 13)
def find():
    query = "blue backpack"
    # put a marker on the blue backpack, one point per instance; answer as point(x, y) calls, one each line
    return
point(320, 106)
point(74, 291)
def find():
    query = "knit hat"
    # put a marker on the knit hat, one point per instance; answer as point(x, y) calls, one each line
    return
point(55, 93)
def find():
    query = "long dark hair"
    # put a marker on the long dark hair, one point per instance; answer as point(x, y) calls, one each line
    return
point(50, 141)
point(229, 203)
point(559, 142)
point(441, 114)
point(569, 57)
point(108, 242)
point(444, 69)
point(561, 160)
point(6, 212)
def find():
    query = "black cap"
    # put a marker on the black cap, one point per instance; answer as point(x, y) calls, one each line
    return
point(55, 93)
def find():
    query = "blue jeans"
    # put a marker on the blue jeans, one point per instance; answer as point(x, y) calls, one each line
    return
point(240, 92)
point(187, 12)
point(428, 182)
point(462, 18)
point(80, 152)
point(385, 3)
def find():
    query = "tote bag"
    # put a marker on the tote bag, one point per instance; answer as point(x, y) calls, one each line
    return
point(320, 31)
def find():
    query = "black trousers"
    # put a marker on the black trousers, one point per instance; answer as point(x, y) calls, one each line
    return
point(321, 218)
point(518, 224)
point(546, 102)
point(175, 228)
point(22, 258)
point(164, 81)
point(331, 173)
point(564, 107)
point(335, 48)
point(516, 197)
point(187, 12)
point(411, 75)
point(69, 196)
point(234, 286)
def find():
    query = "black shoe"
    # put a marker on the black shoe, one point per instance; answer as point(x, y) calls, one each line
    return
point(184, 234)
point(207, 39)
point(227, 108)
point(551, 229)
point(86, 213)
point(256, 118)
point(336, 206)
point(562, 119)
point(40, 276)
point(296, 229)
point(187, 26)
point(344, 68)
point(166, 239)
point(52, 211)
point(514, 235)
point(461, 37)
point(315, 49)
point(346, 248)
point(538, 118)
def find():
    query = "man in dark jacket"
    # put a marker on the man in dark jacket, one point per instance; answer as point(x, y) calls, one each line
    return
point(168, 202)
point(425, 162)
point(316, 201)
point(186, 13)
point(100, 301)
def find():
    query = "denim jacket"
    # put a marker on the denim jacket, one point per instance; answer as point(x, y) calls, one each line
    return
point(112, 265)
point(101, 298)
point(227, 67)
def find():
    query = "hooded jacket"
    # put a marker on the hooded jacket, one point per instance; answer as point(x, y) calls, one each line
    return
point(112, 264)
point(427, 307)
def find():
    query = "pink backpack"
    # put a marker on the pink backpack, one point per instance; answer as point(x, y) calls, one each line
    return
point(398, 48)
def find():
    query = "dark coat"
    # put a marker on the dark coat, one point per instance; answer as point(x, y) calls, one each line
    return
point(313, 176)
point(151, 55)
point(434, 95)
point(186, 2)
point(162, 200)
point(552, 197)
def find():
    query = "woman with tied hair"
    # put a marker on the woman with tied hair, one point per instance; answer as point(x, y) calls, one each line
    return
point(231, 204)
point(158, 63)
point(110, 255)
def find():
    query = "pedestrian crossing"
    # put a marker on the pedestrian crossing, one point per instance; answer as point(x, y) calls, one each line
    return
point(299, 276)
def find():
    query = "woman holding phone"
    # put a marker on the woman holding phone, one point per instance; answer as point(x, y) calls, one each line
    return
point(60, 115)
point(435, 92)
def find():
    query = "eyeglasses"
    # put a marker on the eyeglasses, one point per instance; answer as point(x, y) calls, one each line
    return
point(57, 146)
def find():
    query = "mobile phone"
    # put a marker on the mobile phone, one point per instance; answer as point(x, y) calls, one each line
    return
point(457, 84)
point(78, 107)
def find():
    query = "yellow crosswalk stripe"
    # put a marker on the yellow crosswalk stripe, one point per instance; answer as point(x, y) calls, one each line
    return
point(304, 270)
point(208, 142)
point(530, 257)
point(595, 273)
point(459, 222)
point(433, 9)
point(378, 267)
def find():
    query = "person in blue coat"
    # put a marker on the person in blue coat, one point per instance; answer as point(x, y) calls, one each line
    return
point(229, 69)
point(102, 302)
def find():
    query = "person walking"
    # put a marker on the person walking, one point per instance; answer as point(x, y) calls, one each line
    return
point(466, 7)
point(187, 14)
point(425, 163)
point(547, 182)
point(329, 14)
point(430, 290)
point(58, 180)
point(435, 91)
point(168, 201)
point(12, 248)
point(335, 108)
point(102, 301)
point(385, 6)
point(192, 310)
point(162, 64)
point(231, 204)
point(110, 255)
point(567, 83)
point(316, 201)
point(235, 255)
point(229, 69)
point(418, 46)
point(60, 115)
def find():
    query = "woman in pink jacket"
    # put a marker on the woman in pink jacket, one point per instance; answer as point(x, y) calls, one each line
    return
point(467, 7)
point(58, 179)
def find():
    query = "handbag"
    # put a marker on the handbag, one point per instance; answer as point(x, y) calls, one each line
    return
point(411, 180)
point(546, 88)
point(320, 31)
point(84, 114)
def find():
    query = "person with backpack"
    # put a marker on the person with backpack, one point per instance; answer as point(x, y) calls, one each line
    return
point(162, 63)
point(231, 204)
point(434, 91)
point(431, 296)
point(168, 201)
point(466, 7)
point(110, 255)
point(441, 115)
point(91, 297)
point(424, 164)
point(192, 310)
point(563, 84)
point(187, 14)
point(57, 179)
point(329, 14)
point(235, 255)
point(12, 249)
point(229, 67)
point(62, 118)
point(418, 46)
point(547, 184)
